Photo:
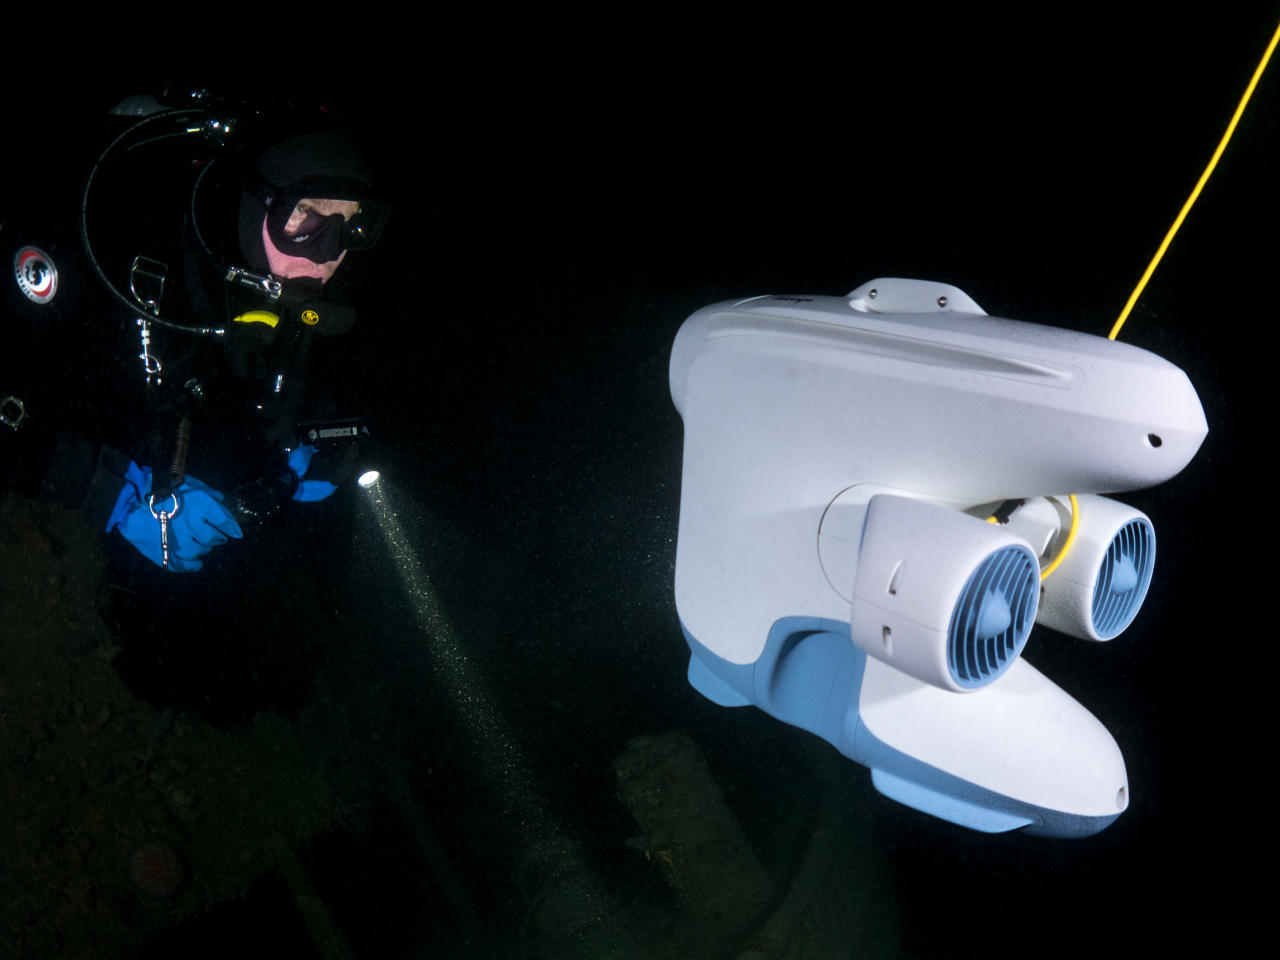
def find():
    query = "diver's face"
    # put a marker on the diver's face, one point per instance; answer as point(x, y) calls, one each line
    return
point(322, 208)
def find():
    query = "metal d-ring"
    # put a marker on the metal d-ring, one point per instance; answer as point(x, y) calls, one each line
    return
point(177, 505)
point(150, 270)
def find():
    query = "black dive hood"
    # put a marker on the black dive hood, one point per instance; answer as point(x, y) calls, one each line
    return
point(329, 165)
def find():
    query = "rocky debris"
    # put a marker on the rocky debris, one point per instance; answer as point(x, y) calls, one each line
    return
point(96, 779)
point(692, 835)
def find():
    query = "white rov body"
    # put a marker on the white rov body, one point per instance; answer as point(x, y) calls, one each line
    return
point(834, 566)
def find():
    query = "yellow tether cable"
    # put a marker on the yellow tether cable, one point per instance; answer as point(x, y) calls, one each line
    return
point(1204, 177)
point(1071, 538)
point(1155, 261)
point(1067, 544)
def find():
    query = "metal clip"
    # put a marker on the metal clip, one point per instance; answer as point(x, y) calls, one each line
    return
point(12, 420)
point(164, 516)
point(152, 270)
point(150, 362)
point(263, 284)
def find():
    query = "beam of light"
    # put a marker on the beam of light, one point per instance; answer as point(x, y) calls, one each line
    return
point(501, 759)
point(549, 847)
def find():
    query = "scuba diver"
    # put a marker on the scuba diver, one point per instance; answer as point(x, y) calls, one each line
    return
point(232, 272)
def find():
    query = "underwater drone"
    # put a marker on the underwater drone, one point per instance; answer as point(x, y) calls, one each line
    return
point(873, 489)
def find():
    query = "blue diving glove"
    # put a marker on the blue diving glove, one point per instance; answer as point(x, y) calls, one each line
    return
point(308, 490)
point(198, 524)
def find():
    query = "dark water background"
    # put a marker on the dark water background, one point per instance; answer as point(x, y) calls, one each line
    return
point(556, 219)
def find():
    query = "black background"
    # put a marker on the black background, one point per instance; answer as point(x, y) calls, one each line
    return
point(561, 207)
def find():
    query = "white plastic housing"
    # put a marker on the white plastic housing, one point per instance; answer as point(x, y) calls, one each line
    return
point(1022, 737)
point(787, 401)
point(914, 584)
point(832, 448)
point(939, 402)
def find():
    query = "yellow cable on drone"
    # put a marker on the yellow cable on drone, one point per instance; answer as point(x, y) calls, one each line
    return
point(1151, 268)
point(1066, 545)
point(1204, 177)
point(1164, 245)
point(1069, 542)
